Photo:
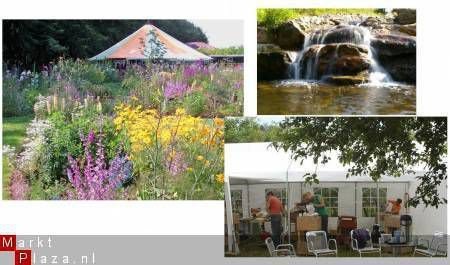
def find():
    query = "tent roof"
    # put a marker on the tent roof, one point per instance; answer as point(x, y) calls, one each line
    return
point(252, 163)
point(133, 47)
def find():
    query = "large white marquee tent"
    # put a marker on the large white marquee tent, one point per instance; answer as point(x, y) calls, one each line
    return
point(251, 168)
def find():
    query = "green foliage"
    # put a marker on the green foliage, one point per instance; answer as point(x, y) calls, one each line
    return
point(155, 48)
point(273, 17)
point(13, 134)
point(195, 103)
point(233, 50)
point(375, 147)
point(64, 138)
point(249, 130)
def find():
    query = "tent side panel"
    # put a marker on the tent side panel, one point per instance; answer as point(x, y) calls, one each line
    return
point(426, 221)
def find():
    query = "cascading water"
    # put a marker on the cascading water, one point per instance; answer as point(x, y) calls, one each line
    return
point(307, 63)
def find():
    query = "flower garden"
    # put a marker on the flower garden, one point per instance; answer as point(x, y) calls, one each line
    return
point(98, 133)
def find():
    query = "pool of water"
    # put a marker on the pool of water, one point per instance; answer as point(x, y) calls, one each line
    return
point(315, 98)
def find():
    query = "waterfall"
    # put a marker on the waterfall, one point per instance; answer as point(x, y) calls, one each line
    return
point(306, 65)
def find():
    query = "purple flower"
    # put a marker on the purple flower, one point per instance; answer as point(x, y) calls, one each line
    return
point(92, 178)
point(18, 186)
point(175, 89)
point(176, 164)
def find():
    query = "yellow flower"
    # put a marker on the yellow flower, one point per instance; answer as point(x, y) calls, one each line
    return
point(218, 122)
point(134, 98)
point(200, 158)
point(220, 178)
point(207, 163)
point(189, 169)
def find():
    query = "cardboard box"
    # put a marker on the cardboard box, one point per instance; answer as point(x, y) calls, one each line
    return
point(392, 221)
point(309, 223)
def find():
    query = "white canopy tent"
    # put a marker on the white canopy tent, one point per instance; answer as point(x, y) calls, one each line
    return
point(252, 167)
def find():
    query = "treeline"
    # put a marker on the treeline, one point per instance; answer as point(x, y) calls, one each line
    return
point(30, 43)
point(249, 130)
point(232, 50)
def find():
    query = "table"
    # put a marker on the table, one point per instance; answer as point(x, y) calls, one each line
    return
point(396, 248)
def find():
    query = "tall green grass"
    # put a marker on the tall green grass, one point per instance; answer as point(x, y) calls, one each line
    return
point(14, 129)
point(273, 17)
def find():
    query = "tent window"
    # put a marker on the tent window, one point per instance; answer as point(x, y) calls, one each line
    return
point(330, 197)
point(369, 201)
point(236, 201)
point(280, 193)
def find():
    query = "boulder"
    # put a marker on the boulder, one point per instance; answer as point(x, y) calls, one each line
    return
point(263, 35)
point(289, 36)
point(402, 68)
point(334, 59)
point(397, 55)
point(393, 45)
point(404, 16)
point(272, 62)
point(345, 80)
point(409, 29)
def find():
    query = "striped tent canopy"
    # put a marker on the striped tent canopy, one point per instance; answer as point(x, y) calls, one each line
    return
point(134, 46)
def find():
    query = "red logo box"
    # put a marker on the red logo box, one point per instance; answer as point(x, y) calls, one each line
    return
point(7, 242)
point(22, 257)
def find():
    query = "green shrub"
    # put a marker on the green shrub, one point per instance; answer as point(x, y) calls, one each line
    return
point(64, 139)
point(195, 103)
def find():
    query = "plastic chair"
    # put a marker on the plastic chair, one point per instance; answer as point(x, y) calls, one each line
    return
point(318, 245)
point(437, 246)
point(283, 250)
point(369, 248)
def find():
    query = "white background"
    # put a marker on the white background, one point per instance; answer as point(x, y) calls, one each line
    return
point(205, 217)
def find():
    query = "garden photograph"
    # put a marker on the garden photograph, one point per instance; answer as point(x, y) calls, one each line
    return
point(118, 109)
point(336, 61)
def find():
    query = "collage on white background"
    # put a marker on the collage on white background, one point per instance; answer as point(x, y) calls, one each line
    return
point(237, 131)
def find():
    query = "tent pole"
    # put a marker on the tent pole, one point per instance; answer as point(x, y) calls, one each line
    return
point(355, 200)
point(229, 215)
point(288, 217)
point(378, 204)
point(248, 200)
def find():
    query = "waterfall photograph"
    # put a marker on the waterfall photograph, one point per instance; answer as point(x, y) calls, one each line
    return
point(336, 61)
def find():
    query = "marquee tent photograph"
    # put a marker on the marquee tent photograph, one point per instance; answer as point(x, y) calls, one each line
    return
point(297, 196)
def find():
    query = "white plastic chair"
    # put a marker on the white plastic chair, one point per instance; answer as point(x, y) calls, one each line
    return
point(283, 250)
point(318, 245)
point(437, 246)
point(369, 248)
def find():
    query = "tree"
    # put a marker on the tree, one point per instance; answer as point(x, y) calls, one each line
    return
point(375, 147)
point(155, 48)
point(249, 130)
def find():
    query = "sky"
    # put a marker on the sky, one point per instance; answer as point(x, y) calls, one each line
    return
point(222, 33)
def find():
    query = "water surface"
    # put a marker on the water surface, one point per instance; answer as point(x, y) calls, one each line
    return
point(316, 98)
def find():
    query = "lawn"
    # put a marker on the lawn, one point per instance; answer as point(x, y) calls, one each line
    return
point(13, 134)
point(256, 248)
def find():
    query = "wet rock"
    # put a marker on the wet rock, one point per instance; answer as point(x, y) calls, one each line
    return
point(397, 55)
point(392, 45)
point(272, 62)
point(347, 80)
point(263, 35)
point(334, 59)
point(290, 36)
point(404, 16)
point(407, 29)
point(402, 68)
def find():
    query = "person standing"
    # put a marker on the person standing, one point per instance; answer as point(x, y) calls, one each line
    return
point(319, 207)
point(275, 209)
point(396, 206)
